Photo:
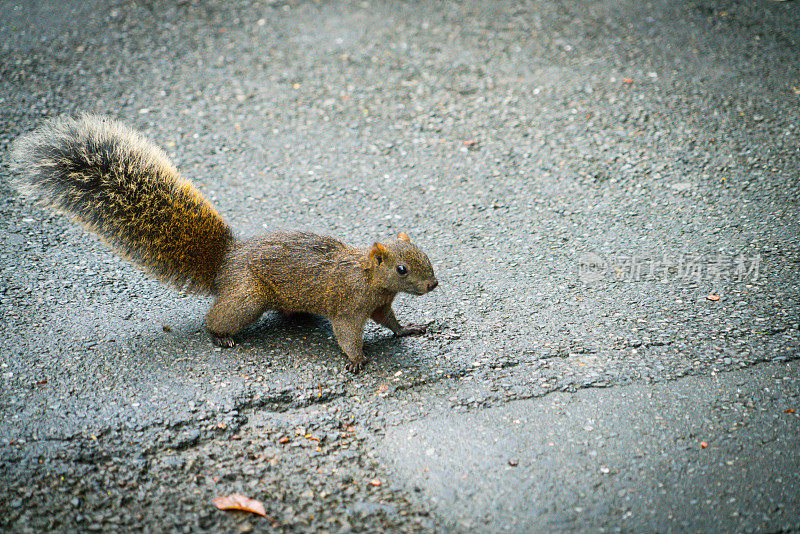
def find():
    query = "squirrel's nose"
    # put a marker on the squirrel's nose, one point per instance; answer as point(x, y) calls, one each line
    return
point(432, 285)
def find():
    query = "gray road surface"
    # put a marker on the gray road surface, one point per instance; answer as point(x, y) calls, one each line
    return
point(608, 192)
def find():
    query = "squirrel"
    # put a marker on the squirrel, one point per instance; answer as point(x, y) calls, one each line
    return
point(125, 189)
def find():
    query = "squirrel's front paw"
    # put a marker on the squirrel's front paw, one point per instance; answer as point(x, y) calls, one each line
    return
point(412, 330)
point(355, 366)
point(224, 341)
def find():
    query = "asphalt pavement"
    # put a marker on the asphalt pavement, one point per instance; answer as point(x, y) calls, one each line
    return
point(608, 192)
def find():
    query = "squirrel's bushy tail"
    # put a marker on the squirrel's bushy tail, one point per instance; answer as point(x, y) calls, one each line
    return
point(127, 190)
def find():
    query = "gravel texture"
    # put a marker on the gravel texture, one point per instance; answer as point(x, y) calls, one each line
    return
point(608, 192)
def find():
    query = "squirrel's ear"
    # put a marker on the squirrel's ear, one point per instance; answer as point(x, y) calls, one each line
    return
point(402, 236)
point(378, 252)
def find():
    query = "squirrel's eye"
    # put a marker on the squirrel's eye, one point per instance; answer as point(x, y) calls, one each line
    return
point(402, 270)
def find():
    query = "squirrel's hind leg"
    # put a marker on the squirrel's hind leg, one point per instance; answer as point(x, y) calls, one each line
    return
point(232, 311)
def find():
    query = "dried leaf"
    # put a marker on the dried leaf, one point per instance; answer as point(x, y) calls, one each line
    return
point(237, 501)
point(375, 482)
point(713, 297)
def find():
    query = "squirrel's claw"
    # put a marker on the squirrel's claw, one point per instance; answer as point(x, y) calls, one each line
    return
point(412, 330)
point(224, 341)
point(355, 367)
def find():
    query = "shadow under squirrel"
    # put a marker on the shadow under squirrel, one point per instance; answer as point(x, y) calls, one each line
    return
point(125, 189)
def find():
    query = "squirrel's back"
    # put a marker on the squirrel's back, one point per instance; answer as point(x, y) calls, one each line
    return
point(127, 190)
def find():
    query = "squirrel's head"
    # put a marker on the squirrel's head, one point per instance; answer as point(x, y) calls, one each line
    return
point(401, 266)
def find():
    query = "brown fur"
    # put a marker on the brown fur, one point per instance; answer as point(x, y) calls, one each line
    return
point(126, 190)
